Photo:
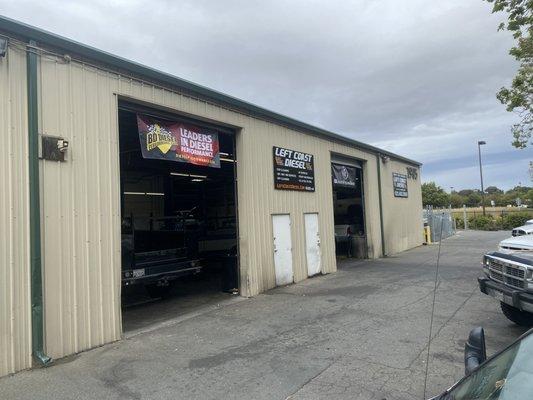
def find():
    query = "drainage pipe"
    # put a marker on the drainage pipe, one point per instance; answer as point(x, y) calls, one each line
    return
point(381, 224)
point(36, 279)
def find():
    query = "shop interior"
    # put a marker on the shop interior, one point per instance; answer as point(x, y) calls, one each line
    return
point(179, 227)
point(349, 217)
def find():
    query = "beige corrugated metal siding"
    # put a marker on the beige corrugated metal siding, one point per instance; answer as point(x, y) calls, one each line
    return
point(81, 202)
point(15, 317)
point(402, 217)
point(81, 208)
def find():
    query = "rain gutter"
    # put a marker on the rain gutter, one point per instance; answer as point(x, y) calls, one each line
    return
point(36, 278)
point(381, 224)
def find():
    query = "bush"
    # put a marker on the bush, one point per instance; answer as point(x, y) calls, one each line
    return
point(491, 223)
point(513, 220)
point(459, 223)
point(483, 223)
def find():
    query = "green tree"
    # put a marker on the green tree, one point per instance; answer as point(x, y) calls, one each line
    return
point(433, 195)
point(473, 199)
point(466, 192)
point(519, 97)
point(528, 198)
point(493, 190)
point(456, 200)
point(498, 199)
point(518, 192)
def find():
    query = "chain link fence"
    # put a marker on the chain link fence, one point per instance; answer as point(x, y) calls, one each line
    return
point(440, 222)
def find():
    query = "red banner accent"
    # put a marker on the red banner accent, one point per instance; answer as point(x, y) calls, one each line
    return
point(176, 141)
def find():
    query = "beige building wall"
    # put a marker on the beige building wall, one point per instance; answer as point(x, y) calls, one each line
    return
point(402, 217)
point(15, 315)
point(80, 205)
point(80, 201)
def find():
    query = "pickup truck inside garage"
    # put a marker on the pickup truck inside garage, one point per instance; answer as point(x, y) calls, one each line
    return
point(179, 227)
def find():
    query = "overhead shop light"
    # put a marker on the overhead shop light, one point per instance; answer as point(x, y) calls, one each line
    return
point(145, 193)
point(188, 175)
point(225, 157)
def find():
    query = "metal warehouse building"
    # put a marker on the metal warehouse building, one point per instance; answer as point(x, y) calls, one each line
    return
point(96, 148)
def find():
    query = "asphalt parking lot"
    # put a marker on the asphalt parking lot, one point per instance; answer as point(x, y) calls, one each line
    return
point(361, 333)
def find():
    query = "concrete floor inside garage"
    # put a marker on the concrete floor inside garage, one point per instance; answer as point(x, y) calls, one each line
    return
point(358, 334)
point(189, 296)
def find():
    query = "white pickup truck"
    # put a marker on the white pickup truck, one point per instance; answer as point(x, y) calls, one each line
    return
point(509, 278)
point(526, 229)
point(516, 244)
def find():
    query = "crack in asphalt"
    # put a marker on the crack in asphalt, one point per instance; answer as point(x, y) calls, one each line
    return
point(442, 326)
point(310, 379)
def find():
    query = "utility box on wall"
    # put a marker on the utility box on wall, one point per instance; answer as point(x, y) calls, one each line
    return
point(54, 148)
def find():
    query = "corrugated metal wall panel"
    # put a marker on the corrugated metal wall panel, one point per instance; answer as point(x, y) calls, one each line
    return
point(402, 216)
point(81, 203)
point(15, 316)
point(80, 207)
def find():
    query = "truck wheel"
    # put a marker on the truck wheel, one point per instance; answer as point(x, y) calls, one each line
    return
point(522, 318)
point(156, 292)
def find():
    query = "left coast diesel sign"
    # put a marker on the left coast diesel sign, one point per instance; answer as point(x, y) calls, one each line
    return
point(293, 170)
point(176, 141)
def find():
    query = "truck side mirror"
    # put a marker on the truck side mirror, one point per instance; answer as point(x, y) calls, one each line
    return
point(475, 350)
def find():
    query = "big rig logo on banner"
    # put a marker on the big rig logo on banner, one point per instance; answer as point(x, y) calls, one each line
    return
point(176, 141)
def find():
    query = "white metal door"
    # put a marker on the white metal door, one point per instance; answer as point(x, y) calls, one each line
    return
point(312, 244)
point(281, 225)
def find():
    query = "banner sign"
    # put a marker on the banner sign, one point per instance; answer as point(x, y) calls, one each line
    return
point(176, 141)
point(399, 183)
point(344, 175)
point(293, 170)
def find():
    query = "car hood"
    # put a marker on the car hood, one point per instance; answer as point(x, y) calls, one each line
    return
point(527, 228)
point(517, 244)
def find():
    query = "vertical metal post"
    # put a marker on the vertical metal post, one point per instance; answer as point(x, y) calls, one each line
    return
point(380, 201)
point(37, 311)
point(236, 211)
point(465, 219)
point(481, 175)
point(452, 220)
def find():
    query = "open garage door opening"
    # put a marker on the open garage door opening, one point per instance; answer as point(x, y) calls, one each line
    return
point(348, 206)
point(179, 220)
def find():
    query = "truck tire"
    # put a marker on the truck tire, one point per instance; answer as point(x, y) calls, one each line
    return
point(156, 292)
point(522, 318)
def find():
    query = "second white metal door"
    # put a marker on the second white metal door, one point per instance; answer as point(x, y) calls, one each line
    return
point(312, 244)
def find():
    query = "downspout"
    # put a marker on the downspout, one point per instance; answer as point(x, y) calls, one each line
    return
point(36, 279)
point(383, 249)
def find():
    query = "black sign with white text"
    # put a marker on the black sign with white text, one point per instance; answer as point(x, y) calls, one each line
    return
point(399, 183)
point(293, 170)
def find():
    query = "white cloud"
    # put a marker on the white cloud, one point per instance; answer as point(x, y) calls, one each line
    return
point(504, 175)
point(417, 77)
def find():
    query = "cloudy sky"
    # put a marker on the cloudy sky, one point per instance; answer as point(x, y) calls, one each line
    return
point(416, 77)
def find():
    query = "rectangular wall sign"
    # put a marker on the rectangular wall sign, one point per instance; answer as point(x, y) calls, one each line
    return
point(293, 170)
point(176, 141)
point(399, 183)
point(344, 175)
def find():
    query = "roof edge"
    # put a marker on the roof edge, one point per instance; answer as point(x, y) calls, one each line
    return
point(40, 35)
